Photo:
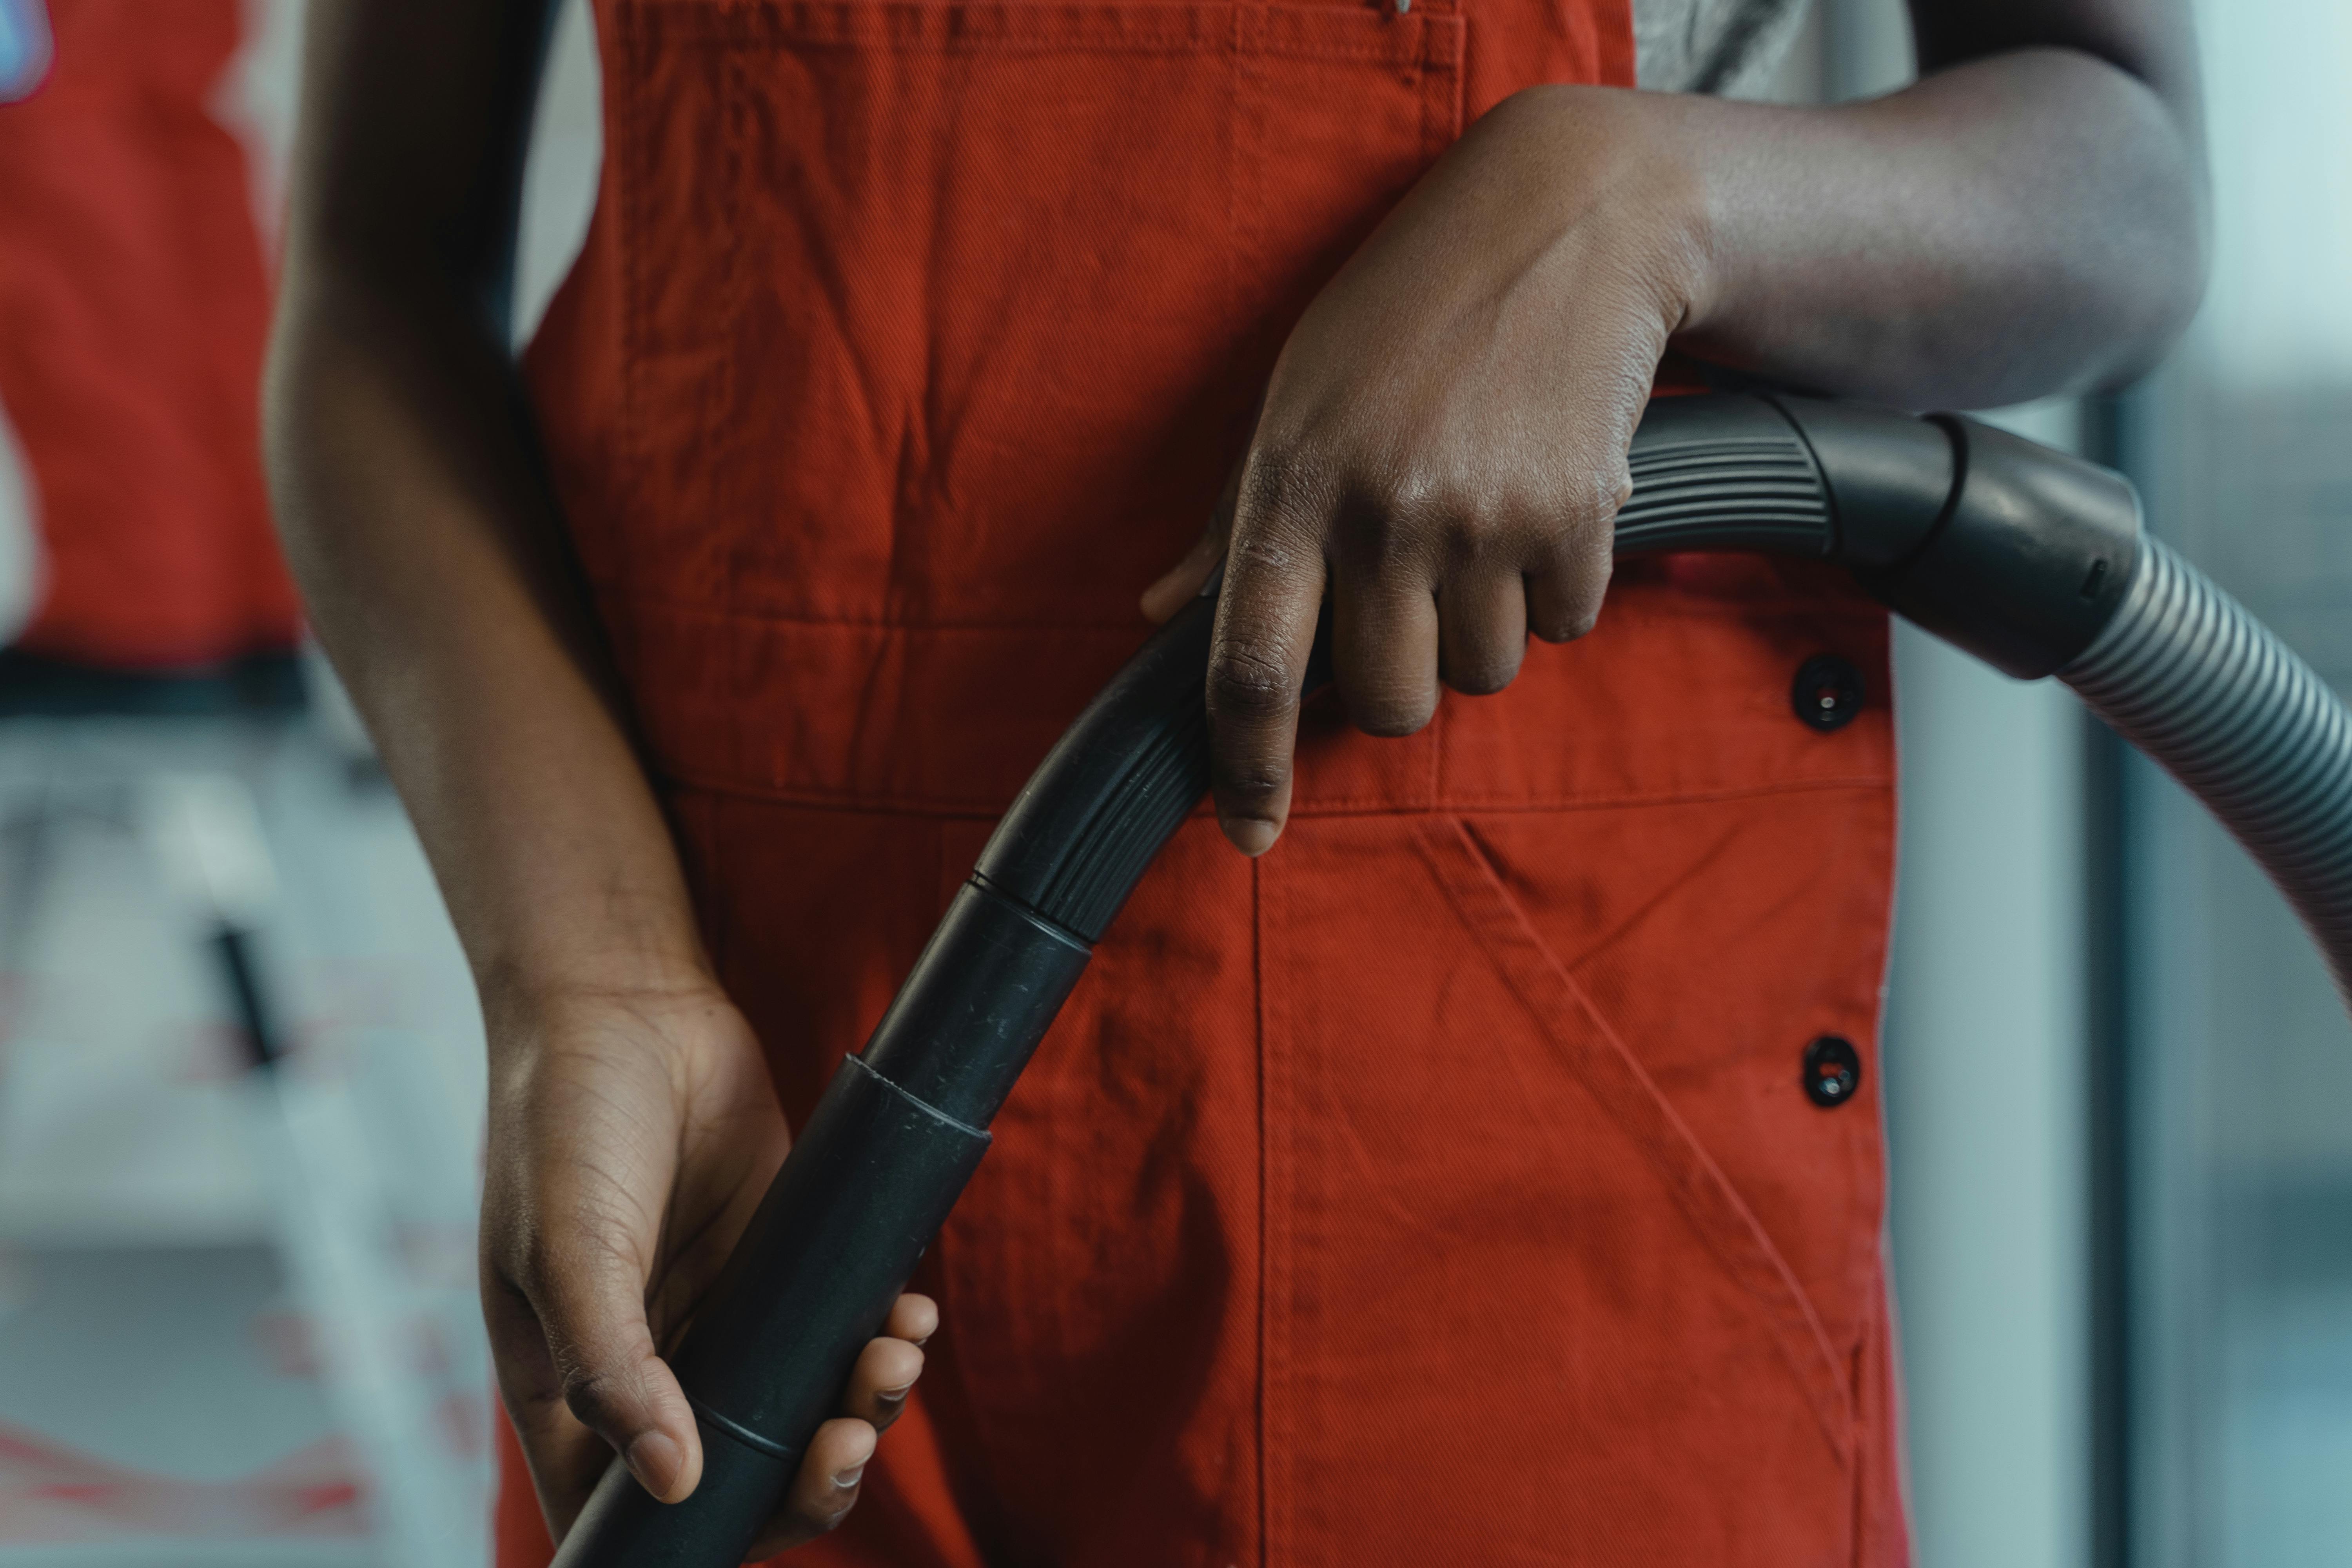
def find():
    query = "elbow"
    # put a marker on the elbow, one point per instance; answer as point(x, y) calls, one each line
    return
point(2118, 269)
point(2150, 265)
point(2157, 267)
point(2170, 301)
point(2091, 250)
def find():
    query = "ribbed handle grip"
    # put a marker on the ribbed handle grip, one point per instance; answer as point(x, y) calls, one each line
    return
point(1698, 463)
point(1078, 837)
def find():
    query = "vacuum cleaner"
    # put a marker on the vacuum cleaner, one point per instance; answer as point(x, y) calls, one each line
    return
point(2031, 559)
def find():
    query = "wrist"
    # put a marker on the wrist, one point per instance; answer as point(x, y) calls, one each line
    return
point(547, 1030)
point(1631, 166)
point(530, 983)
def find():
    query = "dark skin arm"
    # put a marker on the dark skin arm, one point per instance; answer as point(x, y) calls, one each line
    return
point(1442, 445)
point(632, 1124)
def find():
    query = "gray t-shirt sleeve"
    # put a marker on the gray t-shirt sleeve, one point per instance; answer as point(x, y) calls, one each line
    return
point(1723, 47)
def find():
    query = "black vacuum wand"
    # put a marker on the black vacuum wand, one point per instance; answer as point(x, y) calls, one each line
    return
point(2031, 559)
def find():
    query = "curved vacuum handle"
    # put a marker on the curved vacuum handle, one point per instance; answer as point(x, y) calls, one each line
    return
point(2028, 558)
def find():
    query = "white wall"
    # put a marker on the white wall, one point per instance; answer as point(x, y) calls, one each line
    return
point(2279, 312)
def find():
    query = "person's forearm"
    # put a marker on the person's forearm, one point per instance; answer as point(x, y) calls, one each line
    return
point(2023, 225)
point(416, 520)
point(424, 544)
point(2027, 224)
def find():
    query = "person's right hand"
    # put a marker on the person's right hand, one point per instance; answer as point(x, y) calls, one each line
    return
point(632, 1135)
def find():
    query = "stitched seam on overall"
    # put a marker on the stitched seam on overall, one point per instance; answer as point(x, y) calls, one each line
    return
point(648, 606)
point(1435, 72)
point(1247, 129)
point(1864, 1137)
point(1285, 33)
point(1266, 1092)
point(733, 134)
point(1856, 1137)
point(1698, 1188)
point(898, 806)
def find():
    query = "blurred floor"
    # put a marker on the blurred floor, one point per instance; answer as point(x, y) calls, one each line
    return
point(170, 1389)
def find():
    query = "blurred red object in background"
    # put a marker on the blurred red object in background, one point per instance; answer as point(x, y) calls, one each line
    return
point(135, 304)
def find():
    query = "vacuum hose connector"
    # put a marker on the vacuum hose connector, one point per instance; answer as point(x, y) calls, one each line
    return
point(2036, 561)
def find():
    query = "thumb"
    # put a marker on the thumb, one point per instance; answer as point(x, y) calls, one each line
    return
point(591, 1308)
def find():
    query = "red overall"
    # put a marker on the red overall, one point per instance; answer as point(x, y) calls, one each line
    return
point(133, 309)
point(1439, 1188)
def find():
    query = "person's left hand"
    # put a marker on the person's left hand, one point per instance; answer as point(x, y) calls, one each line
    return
point(1443, 438)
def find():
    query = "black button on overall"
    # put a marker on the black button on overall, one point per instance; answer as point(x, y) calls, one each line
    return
point(1828, 693)
point(1832, 1070)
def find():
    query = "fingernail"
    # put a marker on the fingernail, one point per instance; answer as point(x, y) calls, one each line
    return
point(845, 1479)
point(655, 1460)
point(1248, 834)
point(892, 1395)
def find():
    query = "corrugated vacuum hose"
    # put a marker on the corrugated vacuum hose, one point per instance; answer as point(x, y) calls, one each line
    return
point(2185, 674)
point(2031, 559)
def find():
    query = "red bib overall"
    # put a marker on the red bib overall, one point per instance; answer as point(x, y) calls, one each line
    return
point(1439, 1188)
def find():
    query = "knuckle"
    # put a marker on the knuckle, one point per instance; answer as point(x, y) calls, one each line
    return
point(1249, 681)
point(1569, 601)
point(595, 1394)
point(1482, 680)
point(1569, 623)
point(563, 1267)
point(1462, 529)
point(1248, 785)
point(1381, 534)
point(1410, 496)
point(1283, 479)
point(1415, 515)
point(1391, 715)
point(1266, 549)
point(531, 1261)
point(1471, 537)
point(1605, 490)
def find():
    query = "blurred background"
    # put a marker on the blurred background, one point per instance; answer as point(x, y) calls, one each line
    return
point(241, 1065)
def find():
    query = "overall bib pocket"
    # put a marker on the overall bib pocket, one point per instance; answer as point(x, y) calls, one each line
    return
point(980, 280)
point(1463, 1153)
point(982, 297)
